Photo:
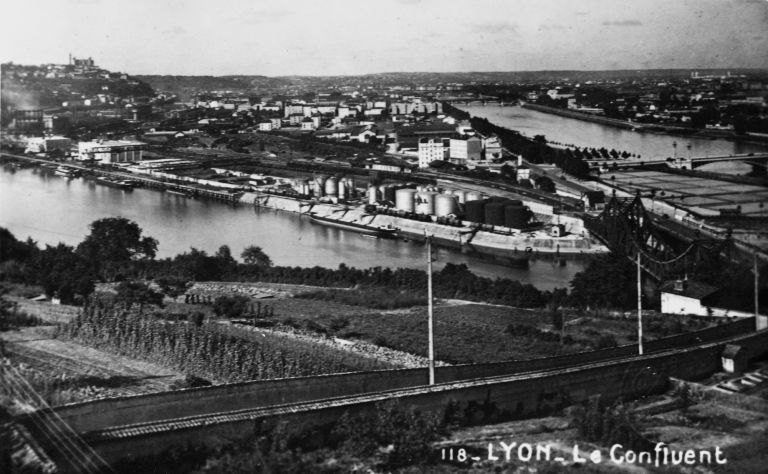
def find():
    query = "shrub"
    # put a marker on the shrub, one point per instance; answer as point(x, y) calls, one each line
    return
point(596, 421)
point(406, 434)
point(230, 307)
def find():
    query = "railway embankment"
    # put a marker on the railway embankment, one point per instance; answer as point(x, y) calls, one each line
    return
point(88, 416)
point(511, 396)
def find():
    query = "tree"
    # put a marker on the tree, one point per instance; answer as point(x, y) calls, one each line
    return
point(608, 282)
point(253, 255)
point(136, 292)
point(64, 274)
point(231, 306)
point(114, 244)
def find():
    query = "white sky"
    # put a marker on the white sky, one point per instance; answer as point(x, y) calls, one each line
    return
point(334, 37)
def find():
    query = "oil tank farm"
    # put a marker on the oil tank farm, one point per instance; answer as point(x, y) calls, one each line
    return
point(425, 202)
point(373, 194)
point(445, 205)
point(318, 186)
point(389, 193)
point(331, 186)
point(516, 216)
point(474, 196)
point(474, 211)
point(404, 199)
point(494, 212)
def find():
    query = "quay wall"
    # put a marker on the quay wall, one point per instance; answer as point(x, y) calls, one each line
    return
point(517, 396)
point(87, 416)
point(581, 116)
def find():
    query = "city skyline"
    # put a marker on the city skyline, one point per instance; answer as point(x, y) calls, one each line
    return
point(348, 38)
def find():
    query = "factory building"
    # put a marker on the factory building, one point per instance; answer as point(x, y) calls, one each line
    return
point(48, 144)
point(465, 148)
point(492, 147)
point(111, 151)
point(432, 149)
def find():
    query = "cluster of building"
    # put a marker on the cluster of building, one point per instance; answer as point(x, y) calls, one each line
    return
point(667, 101)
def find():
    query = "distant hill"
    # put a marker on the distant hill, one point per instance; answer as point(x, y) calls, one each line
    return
point(187, 86)
point(48, 86)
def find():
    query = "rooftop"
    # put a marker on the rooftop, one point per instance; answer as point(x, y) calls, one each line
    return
point(691, 289)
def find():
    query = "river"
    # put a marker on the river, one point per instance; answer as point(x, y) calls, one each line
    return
point(51, 209)
point(580, 133)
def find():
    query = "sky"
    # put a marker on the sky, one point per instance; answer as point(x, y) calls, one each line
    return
point(347, 37)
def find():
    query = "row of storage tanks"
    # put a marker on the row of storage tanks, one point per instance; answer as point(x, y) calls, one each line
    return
point(428, 200)
point(438, 202)
point(498, 212)
point(326, 186)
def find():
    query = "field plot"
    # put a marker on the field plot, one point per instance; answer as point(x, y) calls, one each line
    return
point(470, 332)
point(65, 372)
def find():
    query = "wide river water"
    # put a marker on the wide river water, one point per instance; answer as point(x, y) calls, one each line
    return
point(576, 132)
point(51, 209)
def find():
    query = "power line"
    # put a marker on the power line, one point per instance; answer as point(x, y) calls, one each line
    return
point(90, 455)
point(59, 443)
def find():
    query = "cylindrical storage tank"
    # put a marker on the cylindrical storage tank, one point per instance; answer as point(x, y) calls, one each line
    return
point(474, 211)
point(373, 194)
point(320, 184)
point(383, 192)
point(474, 196)
point(389, 193)
point(445, 205)
point(494, 213)
point(342, 189)
point(404, 199)
point(516, 216)
point(317, 188)
point(425, 203)
point(332, 186)
point(461, 196)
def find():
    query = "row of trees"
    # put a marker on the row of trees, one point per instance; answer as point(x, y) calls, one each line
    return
point(117, 250)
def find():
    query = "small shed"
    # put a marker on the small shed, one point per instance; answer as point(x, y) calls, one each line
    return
point(734, 359)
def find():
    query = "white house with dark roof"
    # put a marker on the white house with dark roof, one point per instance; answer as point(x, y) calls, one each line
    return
point(686, 297)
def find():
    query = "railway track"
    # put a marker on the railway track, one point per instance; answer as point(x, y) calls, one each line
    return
point(633, 367)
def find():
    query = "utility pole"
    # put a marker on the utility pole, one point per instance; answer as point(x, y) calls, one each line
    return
point(639, 307)
point(757, 308)
point(429, 312)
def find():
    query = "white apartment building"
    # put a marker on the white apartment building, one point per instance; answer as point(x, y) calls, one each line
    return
point(431, 149)
point(464, 149)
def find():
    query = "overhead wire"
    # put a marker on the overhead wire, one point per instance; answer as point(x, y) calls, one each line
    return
point(86, 452)
point(60, 443)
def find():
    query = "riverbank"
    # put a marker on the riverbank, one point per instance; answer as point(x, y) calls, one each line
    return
point(509, 243)
point(138, 180)
point(649, 128)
